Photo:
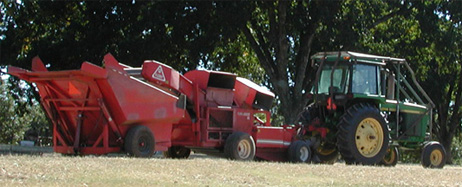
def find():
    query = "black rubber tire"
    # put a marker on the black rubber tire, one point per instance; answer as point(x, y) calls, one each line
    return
point(179, 152)
point(391, 158)
point(299, 152)
point(433, 155)
point(321, 157)
point(347, 138)
point(240, 146)
point(139, 142)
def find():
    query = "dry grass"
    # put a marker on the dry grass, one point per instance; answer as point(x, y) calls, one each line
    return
point(56, 170)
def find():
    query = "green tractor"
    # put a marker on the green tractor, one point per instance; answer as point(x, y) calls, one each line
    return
point(364, 109)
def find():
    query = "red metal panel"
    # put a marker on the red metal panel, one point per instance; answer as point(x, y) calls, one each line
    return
point(219, 97)
point(270, 137)
point(273, 154)
point(200, 78)
point(162, 134)
point(243, 120)
point(246, 93)
point(274, 137)
point(183, 132)
point(161, 74)
point(37, 65)
point(94, 70)
point(142, 102)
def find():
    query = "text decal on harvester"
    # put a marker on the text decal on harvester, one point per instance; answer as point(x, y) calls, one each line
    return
point(159, 74)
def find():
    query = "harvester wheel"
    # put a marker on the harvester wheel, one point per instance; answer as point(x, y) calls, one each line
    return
point(433, 155)
point(177, 152)
point(240, 146)
point(139, 142)
point(363, 135)
point(299, 151)
point(391, 158)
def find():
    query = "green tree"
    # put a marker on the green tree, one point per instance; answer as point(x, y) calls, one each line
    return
point(282, 33)
point(19, 115)
point(446, 70)
point(64, 34)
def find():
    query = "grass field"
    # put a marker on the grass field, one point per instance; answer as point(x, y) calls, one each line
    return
point(56, 170)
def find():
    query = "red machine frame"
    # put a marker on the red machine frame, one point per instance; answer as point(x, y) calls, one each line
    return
point(93, 108)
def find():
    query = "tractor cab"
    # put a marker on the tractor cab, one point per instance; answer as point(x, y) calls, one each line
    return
point(343, 76)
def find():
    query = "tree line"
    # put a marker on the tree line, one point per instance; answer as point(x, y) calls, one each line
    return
point(269, 42)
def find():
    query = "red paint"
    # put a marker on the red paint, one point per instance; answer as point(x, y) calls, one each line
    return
point(93, 108)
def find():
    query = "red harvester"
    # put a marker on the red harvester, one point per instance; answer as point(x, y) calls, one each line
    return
point(118, 108)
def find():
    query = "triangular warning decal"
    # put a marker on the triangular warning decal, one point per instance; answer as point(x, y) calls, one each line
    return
point(73, 90)
point(159, 74)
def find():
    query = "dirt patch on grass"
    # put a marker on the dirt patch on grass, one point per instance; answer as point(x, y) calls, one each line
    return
point(56, 170)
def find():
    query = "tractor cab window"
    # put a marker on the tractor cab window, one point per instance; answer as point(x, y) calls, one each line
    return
point(340, 78)
point(364, 79)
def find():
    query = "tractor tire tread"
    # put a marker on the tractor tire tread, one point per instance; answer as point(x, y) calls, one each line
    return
point(348, 124)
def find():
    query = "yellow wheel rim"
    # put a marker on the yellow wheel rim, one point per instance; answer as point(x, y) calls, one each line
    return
point(323, 151)
point(390, 156)
point(436, 157)
point(369, 137)
point(244, 149)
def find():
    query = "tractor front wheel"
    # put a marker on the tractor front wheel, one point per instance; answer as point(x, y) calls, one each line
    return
point(299, 151)
point(325, 155)
point(433, 155)
point(139, 142)
point(363, 135)
point(391, 158)
point(177, 152)
point(240, 146)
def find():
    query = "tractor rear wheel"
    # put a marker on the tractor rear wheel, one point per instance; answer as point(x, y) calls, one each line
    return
point(433, 155)
point(240, 146)
point(363, 135)
point(299, 151)
point(177, 152)
point(391, 158)
point(139, 142)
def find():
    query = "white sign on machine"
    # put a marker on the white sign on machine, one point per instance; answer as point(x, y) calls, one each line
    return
point(159, 74)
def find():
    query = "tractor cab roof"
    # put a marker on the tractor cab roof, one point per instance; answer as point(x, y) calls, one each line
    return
point(355, 57)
